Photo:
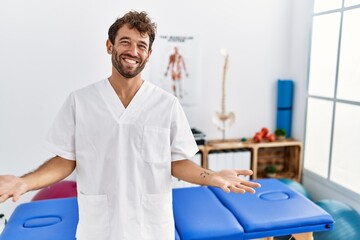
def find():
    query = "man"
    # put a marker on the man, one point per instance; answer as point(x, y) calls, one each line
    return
point(125, 137)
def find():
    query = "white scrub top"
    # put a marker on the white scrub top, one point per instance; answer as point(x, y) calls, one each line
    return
point(123, 159)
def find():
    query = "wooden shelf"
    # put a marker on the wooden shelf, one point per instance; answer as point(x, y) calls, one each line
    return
point(286, 155)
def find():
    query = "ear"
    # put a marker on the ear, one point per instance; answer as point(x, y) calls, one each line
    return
point(150, 51)
point(109, 47)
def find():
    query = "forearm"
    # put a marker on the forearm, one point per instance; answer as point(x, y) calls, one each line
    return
point(190, 172)
point(52, 171)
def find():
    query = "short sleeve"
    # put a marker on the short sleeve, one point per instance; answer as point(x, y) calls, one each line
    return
point(183, 145)
point(60, 139)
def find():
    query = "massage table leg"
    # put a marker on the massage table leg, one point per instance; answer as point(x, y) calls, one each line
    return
point(299, 236)
point(303, 236)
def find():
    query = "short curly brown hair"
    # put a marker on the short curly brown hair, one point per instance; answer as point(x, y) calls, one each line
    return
point(138, 20)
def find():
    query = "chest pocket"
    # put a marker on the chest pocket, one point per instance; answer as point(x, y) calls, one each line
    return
point(156, 144)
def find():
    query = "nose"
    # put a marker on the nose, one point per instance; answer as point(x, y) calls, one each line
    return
point(133, 50)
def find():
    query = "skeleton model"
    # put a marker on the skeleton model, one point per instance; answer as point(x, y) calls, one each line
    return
point(223, 119)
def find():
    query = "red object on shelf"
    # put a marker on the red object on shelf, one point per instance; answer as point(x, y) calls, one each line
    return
point(264, 132)
point(271, 137)
point(258, 137)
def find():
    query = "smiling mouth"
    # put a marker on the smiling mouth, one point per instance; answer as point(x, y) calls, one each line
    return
point(130, 61)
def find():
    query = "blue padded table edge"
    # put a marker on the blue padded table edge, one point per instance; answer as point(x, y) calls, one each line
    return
point(274, 210)
point(199, 215)
point(54, 219)
point(177, 236)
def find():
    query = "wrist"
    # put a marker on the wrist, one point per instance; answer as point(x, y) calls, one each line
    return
point(206, 175)
point(25, 183)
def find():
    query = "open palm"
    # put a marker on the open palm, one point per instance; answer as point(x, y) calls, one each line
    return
point(11, 186)
point(229, 181)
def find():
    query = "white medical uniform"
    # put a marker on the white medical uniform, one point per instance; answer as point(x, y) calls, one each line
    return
point(123, 159)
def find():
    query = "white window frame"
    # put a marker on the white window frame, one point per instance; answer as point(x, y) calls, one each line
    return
point(307, 172)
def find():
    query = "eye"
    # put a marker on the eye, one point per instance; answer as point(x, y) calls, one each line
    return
point(124, 42)
point(143, 47)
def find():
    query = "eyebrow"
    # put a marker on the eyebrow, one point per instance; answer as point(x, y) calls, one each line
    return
point(124, 38)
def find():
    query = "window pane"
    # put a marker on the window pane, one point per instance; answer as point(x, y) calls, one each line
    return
point(323, 58)
point(349, 70)
point(325, 5)
point(318, 133)
point(349, 3)
point(345, 164)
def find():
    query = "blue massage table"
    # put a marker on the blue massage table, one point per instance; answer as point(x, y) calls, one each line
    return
point(201, 213)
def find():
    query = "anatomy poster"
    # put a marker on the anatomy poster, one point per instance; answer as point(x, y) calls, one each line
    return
point(174, 67)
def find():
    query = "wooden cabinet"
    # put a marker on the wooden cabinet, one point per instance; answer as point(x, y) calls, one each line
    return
point(286, 155)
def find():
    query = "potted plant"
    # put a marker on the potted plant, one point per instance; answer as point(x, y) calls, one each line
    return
point(270, 171)
point(280, 134)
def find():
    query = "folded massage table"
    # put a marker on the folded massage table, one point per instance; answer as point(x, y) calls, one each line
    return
point(201, 213)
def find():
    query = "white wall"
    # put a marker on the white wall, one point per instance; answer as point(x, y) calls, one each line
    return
point(49, 48)
point(299, 58)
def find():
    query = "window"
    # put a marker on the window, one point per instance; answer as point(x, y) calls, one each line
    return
point(326, 5)
point(345, 164)
point(349, 3)
point(324, 54)
point(317, 145)
point(333, 104)
point(349, 68)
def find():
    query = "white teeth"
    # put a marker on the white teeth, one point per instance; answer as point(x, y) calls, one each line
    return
point(130, 61)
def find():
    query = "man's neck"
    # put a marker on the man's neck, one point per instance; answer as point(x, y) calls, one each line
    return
point(125, 88)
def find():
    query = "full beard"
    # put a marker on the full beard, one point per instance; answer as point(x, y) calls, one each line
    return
point(116, 62)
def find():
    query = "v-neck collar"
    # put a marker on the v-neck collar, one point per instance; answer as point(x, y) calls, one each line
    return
point(114, 103)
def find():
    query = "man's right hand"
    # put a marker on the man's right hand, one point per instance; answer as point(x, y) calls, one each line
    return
point(50, 172)
point(12, 187)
